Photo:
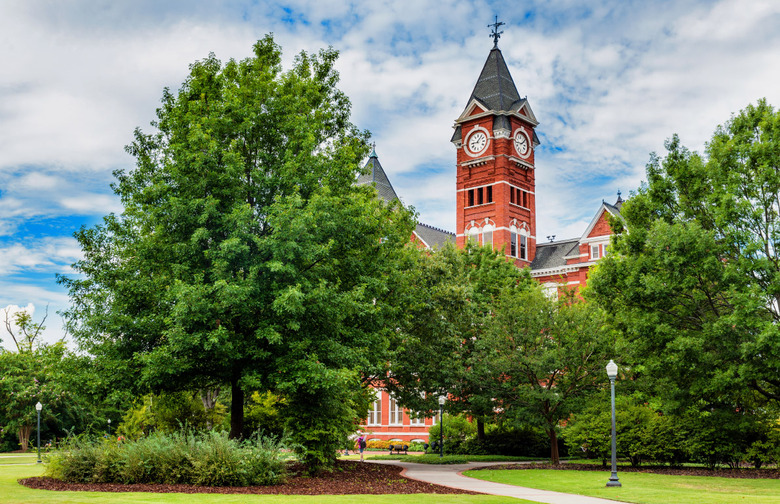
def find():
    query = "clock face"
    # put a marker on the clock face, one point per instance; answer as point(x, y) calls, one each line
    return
point(521, 144)
point(477, 142)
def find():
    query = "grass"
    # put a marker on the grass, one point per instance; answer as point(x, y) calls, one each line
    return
point(19, 458)
point(14, 493)
point(642, 488)
point(450, 459)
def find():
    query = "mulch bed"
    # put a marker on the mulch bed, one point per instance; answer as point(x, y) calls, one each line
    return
point(677, 471)
point(349, 478)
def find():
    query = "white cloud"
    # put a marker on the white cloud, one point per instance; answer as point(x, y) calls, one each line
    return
point(49, 254)
point(609, 81)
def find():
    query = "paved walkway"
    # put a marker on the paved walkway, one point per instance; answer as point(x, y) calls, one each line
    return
point(450, 476)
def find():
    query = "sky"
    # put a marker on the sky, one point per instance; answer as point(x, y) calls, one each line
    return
point(609, 82)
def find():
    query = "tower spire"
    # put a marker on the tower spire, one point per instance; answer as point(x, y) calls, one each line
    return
point(495, 33)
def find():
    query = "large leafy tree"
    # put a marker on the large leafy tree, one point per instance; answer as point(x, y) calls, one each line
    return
point(245, 256)
point(60, 381)
point(542, 357)
point(693, 278)
point(453, 292)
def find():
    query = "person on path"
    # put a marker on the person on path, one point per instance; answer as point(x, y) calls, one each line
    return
point(361, 446)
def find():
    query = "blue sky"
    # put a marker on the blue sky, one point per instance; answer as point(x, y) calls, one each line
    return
point(609, 81)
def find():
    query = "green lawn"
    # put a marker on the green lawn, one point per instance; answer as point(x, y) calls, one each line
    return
point(448, 459)
point(642, 488)
point(12, 492)
point(18, 458)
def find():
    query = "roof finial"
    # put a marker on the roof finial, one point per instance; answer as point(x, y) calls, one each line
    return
point(495, 33)
point(619, 198)
point(373, 150)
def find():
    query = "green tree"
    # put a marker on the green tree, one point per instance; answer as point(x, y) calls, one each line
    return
point(452, 291)
point(541, 357)
point(245, 256)
point(693, 276)
point(27, 330)
point(48, 374)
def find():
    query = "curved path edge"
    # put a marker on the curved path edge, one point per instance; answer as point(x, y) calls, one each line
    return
point(452, 476)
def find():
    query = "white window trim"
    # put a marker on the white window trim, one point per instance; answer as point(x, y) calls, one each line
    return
point(374, 412)
point(394, 417)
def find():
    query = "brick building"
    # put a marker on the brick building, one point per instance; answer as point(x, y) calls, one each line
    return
point(495, 140)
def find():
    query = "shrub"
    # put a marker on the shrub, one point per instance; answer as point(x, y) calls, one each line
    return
point(722, 436)
point(457, 429)
point(636, 426)
point(264, 465)
point(209, 459)
point(514, 440)
point(376, 444)
point(77, 461)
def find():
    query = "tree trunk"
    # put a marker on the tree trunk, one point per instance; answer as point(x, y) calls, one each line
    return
point(236, 410)
point(209, 399)
point(480, 429)
point(24, 436)
point(554, 457)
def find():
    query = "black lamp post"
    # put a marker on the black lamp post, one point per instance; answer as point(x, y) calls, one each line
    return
point(612, 370)
point(38, 408)
point(109, 427)
point(441, 425)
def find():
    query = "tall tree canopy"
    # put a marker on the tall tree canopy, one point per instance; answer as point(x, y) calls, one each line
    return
point(693, 278)
point(453, 294)
point(541, 357)
point(245, 255)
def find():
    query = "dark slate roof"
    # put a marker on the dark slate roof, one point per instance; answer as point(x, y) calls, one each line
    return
point(552, 254)
point(495, 87)
point(456, 135)
point(614, 209)
point(434, 237)
point(373, 173)
point(501, 122)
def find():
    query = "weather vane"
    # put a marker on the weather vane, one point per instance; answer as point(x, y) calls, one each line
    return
point(495, 33)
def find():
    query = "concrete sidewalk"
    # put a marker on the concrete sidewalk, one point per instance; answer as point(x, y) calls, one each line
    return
point(450, 476)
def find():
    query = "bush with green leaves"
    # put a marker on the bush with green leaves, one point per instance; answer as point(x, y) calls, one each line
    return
point(724, 436)
point(457, 429)
point(766, 450)
point(209, 459)
point(636, 425)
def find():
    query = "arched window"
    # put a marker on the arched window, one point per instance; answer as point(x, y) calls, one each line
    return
point(522, 251)
point(487, 236)
point(473, 235)
point(375, 413)
point(518, 244)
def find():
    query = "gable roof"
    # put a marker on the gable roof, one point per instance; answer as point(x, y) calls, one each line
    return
point(605, 207)
point(373, 173)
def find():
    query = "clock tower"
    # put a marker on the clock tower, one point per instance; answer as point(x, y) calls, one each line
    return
point(495, 141)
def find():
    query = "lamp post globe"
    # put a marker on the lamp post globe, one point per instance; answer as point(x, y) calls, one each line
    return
point(38, 408)
point(442, 399)
point(612, 371)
